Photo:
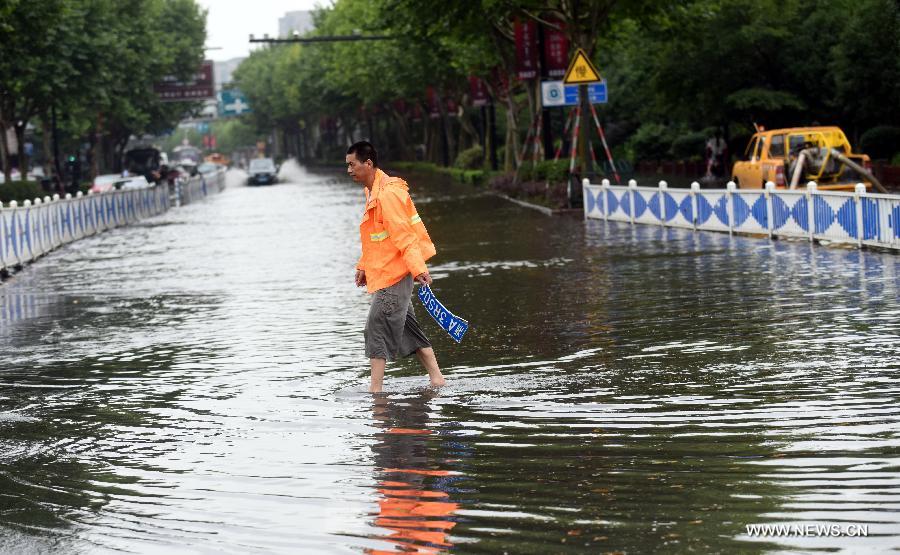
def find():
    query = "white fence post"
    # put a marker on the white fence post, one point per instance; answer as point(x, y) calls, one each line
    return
point(695, 202)
point(584, 192)
point(663, 187)
point(811, 213)
point(770, 224)
point(730, 187)
point(632, 186)
point(858, 194)
point(604, 188)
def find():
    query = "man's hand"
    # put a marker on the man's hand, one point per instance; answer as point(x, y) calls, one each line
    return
point(423, 278)
point(360, 278)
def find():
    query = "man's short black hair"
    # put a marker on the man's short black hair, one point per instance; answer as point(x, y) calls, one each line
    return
point(364, 151)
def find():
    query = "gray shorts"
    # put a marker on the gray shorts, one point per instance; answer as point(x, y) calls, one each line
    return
point(392, 330)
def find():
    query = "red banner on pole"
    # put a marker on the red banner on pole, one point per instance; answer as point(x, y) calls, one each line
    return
point(556, 50)
point(526, 49)
point(478, 92)
point(452, 107)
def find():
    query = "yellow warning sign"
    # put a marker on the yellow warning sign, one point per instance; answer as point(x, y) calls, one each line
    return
point(581, 70)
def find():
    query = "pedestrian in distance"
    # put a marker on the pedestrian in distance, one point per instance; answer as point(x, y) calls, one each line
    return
point(716, 149)
point(395, 246)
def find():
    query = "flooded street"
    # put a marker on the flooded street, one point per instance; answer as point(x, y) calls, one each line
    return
point(196, 383)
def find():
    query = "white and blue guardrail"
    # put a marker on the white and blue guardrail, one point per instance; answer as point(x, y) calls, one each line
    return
point(860, 218)
point(35, 228)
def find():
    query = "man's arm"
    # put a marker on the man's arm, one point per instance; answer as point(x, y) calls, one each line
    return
point(401, 232)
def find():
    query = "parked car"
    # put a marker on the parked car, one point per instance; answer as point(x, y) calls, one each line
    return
point(113, 181)
point(209, 167)
point(794, 156)
point(262, 171)
point(145, 161)
point(218, 158)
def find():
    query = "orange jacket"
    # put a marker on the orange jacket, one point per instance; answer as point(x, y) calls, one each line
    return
point(394, 239)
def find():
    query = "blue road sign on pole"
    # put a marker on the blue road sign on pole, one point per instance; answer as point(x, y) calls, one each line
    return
point(555, 93)
point(233, 103)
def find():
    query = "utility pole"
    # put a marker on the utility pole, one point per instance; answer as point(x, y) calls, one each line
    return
point(308, 40)
point(586, 156)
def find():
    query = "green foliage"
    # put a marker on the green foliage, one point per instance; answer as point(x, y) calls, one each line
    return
point(651, 142)
point(671, 68)
point(20, 191)
point(96, 62)
point(554, 172)
point(472, 177)
point(470, 159)
point(689, 145)
point(880, 143)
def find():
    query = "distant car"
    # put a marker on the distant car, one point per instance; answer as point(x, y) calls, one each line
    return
point(209, 167)
point(262, 172)
point(113, 181)
point(218, 158)
point(16, 176)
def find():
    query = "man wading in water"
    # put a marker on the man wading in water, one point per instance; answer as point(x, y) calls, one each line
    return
point(395, 246)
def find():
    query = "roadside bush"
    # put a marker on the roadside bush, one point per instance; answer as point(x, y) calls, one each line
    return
point(689, 146)
point(21, 191)
point(526, 171)
point(881, 142)
point(554, 172)
point(470, 158)
point(651, 141)
point(472, 177)
point(503, 183)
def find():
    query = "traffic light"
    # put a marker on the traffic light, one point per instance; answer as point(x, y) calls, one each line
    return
point(73, 166)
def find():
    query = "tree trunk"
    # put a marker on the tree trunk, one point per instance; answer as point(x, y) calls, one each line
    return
point(401, 133)
point(46, 140)
point(23, 158)
point(510, 162)
point(426, 137)
point(120, 152)
point(96, 147)
point(4, 151)
point(446, 143)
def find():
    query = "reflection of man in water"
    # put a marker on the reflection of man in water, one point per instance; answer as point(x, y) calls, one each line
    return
point(413, 507)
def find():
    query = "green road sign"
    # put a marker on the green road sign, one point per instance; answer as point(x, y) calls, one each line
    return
point(233, 103)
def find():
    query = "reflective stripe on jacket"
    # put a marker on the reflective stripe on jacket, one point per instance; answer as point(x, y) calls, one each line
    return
point(394, 239)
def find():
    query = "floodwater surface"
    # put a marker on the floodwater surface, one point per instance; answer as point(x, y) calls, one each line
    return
point(196, 383)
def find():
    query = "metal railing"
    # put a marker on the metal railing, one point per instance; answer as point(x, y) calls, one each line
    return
point(35, 228)
point(859, 217)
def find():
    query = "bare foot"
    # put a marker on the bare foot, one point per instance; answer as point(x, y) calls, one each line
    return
point(438, 382)
point(375, 390)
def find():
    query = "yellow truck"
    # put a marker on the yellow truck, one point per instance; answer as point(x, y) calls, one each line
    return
point(792, 157)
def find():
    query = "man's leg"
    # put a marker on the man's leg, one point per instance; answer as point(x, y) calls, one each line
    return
point(378, 365)
point(429, 361)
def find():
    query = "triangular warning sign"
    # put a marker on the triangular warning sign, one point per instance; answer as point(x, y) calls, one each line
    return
point(581, 70)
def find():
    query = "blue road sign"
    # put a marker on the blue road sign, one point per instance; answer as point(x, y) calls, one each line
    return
point(449, 322)
point(233, 103)
point(597, 93)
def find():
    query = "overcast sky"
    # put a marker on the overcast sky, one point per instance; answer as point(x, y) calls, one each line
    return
point(230, 23)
